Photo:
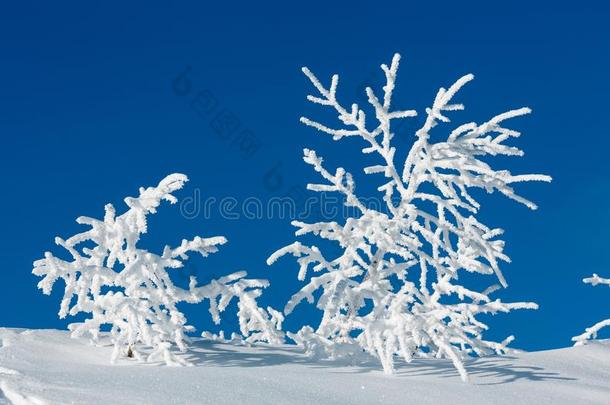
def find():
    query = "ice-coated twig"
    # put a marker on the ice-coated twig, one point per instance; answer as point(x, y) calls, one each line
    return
point(392, 290)
point(591, 332)
point(129, 289)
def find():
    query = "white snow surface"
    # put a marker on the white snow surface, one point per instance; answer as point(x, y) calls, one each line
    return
point(49, 367)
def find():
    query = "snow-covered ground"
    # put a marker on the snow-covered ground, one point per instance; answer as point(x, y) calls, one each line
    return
point(46, 366)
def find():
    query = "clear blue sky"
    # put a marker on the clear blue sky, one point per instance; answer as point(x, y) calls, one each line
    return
point(88, 113)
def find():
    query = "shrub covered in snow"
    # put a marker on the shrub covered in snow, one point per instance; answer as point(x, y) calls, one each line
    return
point(393, 290)
point(129, 288)
point(591, 333)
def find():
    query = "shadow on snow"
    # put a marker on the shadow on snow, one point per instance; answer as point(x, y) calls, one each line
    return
point(496, 369)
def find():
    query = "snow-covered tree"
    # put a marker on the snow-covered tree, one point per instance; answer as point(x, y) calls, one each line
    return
point(129, 289)
point(394, 291)
point(591, 333)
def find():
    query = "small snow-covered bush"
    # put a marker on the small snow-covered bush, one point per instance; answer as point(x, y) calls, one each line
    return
point(129, 288)
point(591, 333)
point(393, 290)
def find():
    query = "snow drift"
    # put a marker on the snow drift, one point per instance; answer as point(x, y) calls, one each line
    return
point(48, 367)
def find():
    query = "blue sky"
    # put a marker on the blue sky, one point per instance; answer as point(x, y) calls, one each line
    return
point(90, 110)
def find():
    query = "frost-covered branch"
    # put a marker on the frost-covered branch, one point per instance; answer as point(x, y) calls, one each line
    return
point(591, 332)
point(130, 290)
point(595, 280)
point(389, 289)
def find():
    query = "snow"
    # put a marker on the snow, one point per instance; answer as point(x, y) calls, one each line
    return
point(48, 367)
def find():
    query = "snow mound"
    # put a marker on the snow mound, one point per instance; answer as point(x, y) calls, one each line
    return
point(48, 367)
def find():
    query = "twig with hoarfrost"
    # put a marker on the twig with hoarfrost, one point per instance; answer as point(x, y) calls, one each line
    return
point(393, 290)
point(129, 289)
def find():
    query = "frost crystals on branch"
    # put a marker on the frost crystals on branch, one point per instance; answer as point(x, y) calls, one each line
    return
point(393, 291)
point(591, 333)
point(130, 290)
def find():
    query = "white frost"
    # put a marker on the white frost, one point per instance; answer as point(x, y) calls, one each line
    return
point(591, 332)
point(130, 289)
point(393, 289)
